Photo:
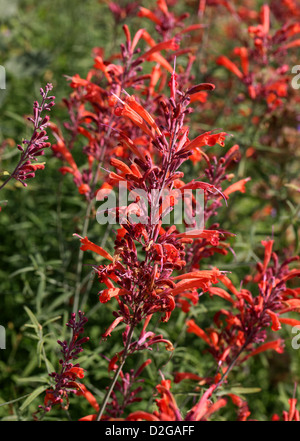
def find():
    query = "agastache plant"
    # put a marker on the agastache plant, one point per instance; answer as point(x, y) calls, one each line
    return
point(156, 149)
point(137, 142)
point(126, 393)
point(94, 125)
point(233, 340)
point(31, 149)
point(148, 286)
point(264, 70)
point(91, 105)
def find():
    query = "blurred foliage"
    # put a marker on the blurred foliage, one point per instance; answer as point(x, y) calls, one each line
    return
point(44, 41)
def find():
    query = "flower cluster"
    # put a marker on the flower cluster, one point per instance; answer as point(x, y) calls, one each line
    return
point(139, 142)
point(265, 50)
point(291, 415)
point(34, 147)
point(245, 330)
point(147, 286)
point(91, 106)
point(65, 381)
point(123, 396)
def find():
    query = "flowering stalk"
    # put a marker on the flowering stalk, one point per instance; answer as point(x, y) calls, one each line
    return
point(127, 395)
point(265, 49)
point(146, 287)
point(117, 373)
point(245, 331)
point(25, 169)
point(65, 381)
point(141, 141)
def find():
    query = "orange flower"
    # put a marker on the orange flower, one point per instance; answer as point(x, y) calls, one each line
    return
point(133, 104)
point(199, 96)
point(99, 64)
point(204, 408)
point(89, 397)
point(61, 148)
point(144, 12)
point(275, 320)
point(289, 321)
point(128, 112)
point(268, 244)
point(84, 188)
point(277, 345)
point(214, 291)
point(195, 329)
point(180, 376)
point(211, 235)
point(294, 43)
point(108, 293)
point(224, 61)
point(77, 82)
point(120, 165)
point(237, 186)
point(243, 53)
point(74, 372)
point(206, 138)
point(169, 44)
point(140, 415)
point(88, 418)
point(112, 326)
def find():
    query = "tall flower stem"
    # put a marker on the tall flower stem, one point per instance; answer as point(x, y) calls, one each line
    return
point(35, 139)
point(117, 373)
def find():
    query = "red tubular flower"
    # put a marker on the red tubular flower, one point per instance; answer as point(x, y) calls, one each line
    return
point(206, 138)
point(112, 326)
point(74, 372)
point(140, 415)
point(214, 291)
point(168, 409)
point(275, 320)
point(134, 117)
point(224, 61)
point(237, 186)
point(291, 415)
point(276, 345)
point(144, 12)
point(211, 235)
point(171, 44)
point(90, 398)
point(289, 321)
point(133, 104)
point(243, 53)
point(108, 294)
point(192, 327)
point(180, 376)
